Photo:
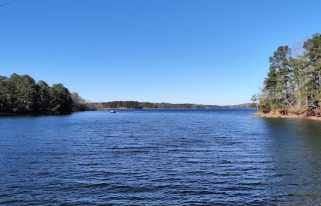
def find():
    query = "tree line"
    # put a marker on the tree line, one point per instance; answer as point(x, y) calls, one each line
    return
point(144, 105)
point(293, 83)
point(20, 94)
point(150, 105)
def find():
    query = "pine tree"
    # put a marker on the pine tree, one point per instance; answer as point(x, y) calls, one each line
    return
point(293, 83)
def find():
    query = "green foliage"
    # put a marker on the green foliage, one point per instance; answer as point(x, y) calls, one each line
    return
point(60, 99)
point(43, 96)
point(20, 94)
point(293, 83)
point(25, 94)
point(264, 107)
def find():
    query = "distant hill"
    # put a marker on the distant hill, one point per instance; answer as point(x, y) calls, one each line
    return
point(150, 105)
point(241, 106)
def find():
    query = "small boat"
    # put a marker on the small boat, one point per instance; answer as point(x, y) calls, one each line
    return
point(113, 111)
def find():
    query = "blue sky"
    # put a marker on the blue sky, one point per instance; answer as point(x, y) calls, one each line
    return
point(200, 51)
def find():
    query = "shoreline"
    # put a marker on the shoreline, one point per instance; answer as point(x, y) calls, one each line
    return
point(290, 116)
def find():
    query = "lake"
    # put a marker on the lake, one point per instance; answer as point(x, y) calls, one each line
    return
point(159, 157)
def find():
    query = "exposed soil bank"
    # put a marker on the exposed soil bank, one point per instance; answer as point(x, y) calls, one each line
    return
point(288, 116)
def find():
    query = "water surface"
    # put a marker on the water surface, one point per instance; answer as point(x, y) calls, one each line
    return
point(159, 157)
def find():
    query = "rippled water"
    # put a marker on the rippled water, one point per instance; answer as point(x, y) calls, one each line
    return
point(178, 157)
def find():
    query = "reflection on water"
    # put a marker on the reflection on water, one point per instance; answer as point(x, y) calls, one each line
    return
point(297, 156)
point(160, 157)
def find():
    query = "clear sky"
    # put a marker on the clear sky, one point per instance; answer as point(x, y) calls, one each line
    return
point(200, 51)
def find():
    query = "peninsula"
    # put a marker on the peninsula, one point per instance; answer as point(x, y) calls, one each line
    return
point(292, 88)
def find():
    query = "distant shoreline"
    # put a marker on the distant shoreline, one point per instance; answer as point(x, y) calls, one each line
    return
point(151, 105)
point(170, 108)
point(119, 109)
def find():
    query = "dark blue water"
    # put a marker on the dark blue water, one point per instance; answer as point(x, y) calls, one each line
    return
point(178, 157)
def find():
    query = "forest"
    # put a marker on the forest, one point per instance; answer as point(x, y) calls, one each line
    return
point(293, 82)
point(20, 94)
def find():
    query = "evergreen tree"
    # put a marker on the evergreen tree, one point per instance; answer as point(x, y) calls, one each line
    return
point(293, 83)
point(44, 97)
point(313, 53)
point(60, 99)
point(19, 94)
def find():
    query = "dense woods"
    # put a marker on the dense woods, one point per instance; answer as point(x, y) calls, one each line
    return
point(293, 83)
point(20, 94)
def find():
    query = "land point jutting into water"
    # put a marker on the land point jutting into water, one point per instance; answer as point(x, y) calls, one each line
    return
point(293, 85)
